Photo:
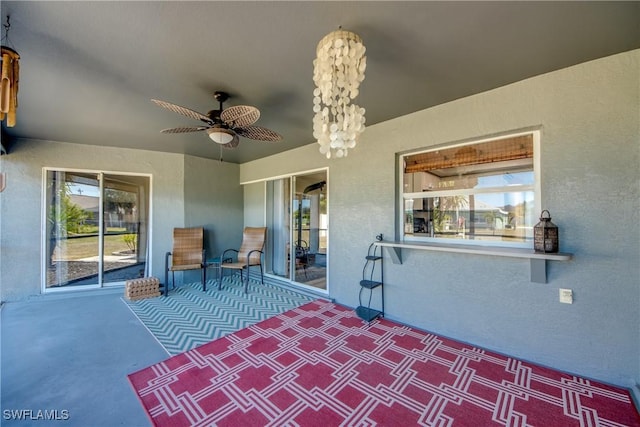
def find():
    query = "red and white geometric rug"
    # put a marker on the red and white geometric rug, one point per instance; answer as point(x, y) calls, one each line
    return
point(320, 365)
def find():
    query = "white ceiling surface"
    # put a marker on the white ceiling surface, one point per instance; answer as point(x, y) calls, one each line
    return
point(89, 69)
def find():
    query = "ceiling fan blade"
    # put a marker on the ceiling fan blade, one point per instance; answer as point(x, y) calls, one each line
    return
point(184, 129)
point(234, 142)
point(240, 115)
point(258, 133)
point(182, 110)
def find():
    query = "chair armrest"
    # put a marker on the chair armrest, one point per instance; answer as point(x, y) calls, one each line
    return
point(166, 260)
point(225, 252)
point(249, 256)
point(301, 251)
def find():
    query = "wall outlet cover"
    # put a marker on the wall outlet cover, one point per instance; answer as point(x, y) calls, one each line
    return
point(566, 296)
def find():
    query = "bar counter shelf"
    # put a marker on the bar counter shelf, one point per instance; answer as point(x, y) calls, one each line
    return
point(537, 259)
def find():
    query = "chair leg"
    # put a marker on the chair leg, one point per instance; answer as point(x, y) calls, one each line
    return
point(204, 279)
point(166, 274)
point(261, 275)
point(246, 283)
point(166, 282)
point(166, 279)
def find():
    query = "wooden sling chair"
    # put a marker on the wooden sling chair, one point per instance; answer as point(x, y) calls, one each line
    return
point(187, 254)
point(249, 254)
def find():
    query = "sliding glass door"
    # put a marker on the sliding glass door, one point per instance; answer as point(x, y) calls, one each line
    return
point(95, 228)
point(297, 217)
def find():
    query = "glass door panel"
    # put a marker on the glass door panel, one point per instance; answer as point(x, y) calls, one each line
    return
point(125, 227)
point(297, 218)
point(72, 227)
point(300, 210)
point(309, 224)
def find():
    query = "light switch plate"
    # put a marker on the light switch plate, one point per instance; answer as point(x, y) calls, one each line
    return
point(566, 296)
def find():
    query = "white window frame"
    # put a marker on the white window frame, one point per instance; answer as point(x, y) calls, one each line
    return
point(405, 198)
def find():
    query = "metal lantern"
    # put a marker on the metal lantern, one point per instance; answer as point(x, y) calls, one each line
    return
point(545, 234)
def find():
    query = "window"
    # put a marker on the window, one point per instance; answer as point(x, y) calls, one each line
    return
point(482, 192)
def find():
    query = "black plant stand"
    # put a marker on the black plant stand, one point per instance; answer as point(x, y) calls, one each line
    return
point(368, 283)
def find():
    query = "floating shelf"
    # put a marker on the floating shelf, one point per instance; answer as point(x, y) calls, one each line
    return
point(538, 266)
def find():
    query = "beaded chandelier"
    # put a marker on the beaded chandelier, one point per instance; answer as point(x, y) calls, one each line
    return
point(338, 71)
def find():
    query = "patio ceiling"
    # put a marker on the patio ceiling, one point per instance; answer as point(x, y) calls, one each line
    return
point(89, 69)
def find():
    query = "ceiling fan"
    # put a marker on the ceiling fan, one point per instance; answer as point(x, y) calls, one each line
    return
point(224, 125)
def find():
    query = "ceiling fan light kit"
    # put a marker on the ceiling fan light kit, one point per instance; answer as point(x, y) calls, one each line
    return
point(220, 135)
point(338, 71)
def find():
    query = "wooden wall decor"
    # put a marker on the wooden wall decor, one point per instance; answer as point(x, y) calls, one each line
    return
point(9, 85)
point(9, 79)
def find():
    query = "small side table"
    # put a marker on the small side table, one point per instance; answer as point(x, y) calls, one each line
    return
point(216, 264)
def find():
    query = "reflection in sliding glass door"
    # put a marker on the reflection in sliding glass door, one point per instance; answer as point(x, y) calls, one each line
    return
point(125, 214)
point(310, 226)
point(95, 228)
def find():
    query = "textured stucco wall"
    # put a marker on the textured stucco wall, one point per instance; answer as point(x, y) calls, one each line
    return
point(254, 202)
point(21, 203)
point(589, 116)
point(214, 200)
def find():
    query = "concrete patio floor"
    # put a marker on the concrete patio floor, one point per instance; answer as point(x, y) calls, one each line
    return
point(69, 354)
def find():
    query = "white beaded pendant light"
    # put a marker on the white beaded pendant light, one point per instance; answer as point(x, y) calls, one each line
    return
point(338, 71)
